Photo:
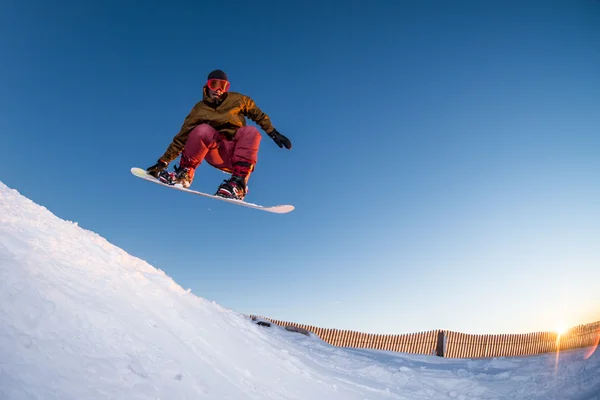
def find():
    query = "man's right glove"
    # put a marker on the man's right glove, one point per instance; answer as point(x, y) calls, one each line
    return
point(156, 168)
point(280, 140)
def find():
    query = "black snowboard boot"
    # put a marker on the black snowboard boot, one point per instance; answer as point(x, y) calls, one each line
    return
point(183, 176)
point(236, 187)
point(233, 188)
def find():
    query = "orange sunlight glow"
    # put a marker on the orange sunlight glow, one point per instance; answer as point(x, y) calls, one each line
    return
point(557, 351)
point(560, 331)
point(594, 346)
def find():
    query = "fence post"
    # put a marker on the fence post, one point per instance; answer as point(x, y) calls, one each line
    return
point(439, 350)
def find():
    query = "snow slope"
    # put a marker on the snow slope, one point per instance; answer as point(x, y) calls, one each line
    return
point(82, 319)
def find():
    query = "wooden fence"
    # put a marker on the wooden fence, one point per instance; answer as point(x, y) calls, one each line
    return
point(416, 343)
point(458, 345)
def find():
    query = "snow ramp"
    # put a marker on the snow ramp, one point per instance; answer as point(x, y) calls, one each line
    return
point(82, 319)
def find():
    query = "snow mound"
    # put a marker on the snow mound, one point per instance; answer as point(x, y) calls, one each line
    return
point(82, 319)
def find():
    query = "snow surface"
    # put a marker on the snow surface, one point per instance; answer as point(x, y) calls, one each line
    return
point(82, 319)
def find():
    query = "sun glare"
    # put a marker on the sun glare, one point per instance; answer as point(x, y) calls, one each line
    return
point(561, 327)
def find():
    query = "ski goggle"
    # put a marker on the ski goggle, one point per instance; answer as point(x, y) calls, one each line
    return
point(218, 84)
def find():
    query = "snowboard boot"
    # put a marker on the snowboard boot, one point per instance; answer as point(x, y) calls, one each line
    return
point(236, 187)
point(182, 175)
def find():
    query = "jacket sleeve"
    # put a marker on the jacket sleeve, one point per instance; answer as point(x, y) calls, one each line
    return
point(257, 115)
point(176, 146)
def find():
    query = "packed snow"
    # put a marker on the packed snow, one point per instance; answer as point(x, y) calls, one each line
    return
point(82, 319)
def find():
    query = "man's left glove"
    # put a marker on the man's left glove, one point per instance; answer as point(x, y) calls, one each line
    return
point(157, 168)
point(280, 140)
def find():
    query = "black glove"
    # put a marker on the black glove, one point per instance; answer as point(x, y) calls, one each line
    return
point(156, 168)
point(280, 140)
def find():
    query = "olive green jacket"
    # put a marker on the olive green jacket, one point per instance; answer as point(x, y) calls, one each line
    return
point(226, 116)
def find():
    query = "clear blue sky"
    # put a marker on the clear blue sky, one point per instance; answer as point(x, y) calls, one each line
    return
point(444, 169)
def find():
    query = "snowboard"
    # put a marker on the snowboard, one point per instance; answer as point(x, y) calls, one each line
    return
point(278, 209)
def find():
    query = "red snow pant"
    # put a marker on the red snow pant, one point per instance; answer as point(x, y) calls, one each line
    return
point(205, 143)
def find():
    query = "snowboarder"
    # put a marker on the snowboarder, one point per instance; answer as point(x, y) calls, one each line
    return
point(215, 130)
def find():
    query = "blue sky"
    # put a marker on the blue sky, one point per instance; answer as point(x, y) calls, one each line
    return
point(444, 165)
